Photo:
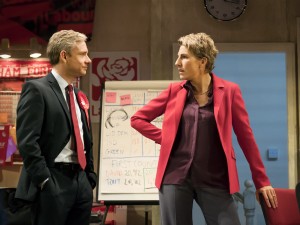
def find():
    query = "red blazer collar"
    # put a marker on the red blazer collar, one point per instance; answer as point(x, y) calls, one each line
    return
point(218, 89)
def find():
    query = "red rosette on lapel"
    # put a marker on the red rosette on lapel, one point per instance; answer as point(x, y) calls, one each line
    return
point(84, 104)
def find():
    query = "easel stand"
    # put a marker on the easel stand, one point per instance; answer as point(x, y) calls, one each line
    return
point(105, 214)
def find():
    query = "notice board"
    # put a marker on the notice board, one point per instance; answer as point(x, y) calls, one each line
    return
point(127, 160)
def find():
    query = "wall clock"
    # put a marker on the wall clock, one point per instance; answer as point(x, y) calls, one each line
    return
point(225, 10)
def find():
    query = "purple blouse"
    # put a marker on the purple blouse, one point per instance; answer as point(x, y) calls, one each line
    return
point(197, 151)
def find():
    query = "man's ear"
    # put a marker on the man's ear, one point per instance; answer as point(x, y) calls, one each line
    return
point(63, 55)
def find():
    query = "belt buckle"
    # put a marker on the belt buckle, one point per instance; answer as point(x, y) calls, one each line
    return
point(68, 166)
point(74, 167)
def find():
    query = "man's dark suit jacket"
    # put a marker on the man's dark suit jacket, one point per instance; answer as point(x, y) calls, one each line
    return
point(43, 129)
point(298, 194)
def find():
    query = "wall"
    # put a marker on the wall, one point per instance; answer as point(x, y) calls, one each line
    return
point(135, 24)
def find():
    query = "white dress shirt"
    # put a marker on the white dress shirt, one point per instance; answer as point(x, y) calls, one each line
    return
point(68, 153)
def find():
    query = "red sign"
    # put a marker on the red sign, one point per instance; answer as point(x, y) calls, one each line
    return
point(24, 68)
point(23, 19)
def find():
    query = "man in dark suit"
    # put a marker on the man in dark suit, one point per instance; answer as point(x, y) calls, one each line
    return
point(54, 137)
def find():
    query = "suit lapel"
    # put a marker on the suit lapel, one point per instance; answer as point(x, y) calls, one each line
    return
point(56, 89)
point(180, 101)
point(218, 89)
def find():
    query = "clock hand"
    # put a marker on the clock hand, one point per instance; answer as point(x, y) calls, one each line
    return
point(233, 1)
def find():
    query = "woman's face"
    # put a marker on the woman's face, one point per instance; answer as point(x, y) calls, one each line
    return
point(188, 65)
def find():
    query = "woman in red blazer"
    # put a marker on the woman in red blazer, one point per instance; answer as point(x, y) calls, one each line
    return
point(197, 159)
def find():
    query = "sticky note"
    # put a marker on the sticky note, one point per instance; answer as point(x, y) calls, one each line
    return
point(110, 97)
point(125, 100)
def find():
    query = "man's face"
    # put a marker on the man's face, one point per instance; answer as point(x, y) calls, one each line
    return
point(77, 62)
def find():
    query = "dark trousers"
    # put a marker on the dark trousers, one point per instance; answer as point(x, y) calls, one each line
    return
point(66, 199)
point(176, 202)
point(2, 213)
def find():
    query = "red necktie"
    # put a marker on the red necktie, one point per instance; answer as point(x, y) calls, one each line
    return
point(79, 145)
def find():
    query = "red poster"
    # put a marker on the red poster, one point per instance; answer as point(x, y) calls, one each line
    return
point(110, 66)
point(23, 19)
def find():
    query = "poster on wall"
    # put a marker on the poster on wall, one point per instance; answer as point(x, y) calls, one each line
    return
point(110, 66)
point(7, 145)
point(13, 73)
point(23, 19)
point(15, 68)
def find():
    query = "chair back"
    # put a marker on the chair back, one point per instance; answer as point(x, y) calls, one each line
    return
point(287, 212)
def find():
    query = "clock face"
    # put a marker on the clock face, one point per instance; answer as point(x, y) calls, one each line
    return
point(225, 10)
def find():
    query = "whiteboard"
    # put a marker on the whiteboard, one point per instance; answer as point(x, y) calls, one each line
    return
point(127, 160)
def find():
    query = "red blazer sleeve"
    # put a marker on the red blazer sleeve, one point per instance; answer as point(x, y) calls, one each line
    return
point(169, 103)
point(246, 140)
point(141, 120)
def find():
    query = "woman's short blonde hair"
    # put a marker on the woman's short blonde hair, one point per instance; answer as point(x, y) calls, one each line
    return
point(202, 46)
point(62, 40)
